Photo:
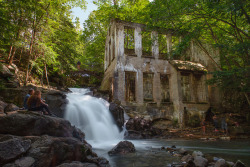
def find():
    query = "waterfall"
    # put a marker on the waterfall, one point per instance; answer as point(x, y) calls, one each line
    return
point(93, 117)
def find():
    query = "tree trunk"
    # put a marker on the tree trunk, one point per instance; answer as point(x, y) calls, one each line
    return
point(20, 57)
point(46, 74)
point(12, 55)
point(29, 57)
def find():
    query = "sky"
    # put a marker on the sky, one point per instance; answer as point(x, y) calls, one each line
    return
point(83, 14)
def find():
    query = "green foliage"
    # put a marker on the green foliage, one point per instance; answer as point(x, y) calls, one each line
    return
point(95, 28)
point(224, 24)
point(40, 35)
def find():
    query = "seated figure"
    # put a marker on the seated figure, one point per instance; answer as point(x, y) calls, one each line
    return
point(31, 91)
point(35, 103)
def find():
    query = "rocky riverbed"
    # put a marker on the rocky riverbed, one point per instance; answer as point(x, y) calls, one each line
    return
point(28, 139)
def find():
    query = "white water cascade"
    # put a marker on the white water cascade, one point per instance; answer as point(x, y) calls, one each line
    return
point(93, 117)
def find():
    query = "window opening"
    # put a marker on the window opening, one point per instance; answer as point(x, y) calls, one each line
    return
point(165, 92)
point(146, 44)
point(130, 86)
point(129, 40)
point(200, 91)
point(185, 86)
point(163, 49)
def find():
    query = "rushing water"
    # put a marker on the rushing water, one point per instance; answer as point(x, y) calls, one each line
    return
point(92, 116)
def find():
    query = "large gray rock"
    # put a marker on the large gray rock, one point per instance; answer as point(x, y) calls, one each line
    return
point(197, 153)
point(46, 150)
point(139, 127)
point(8, 79)
point(52, 151)
point(12, 149)
point(22, 162)
point(186, 158)
point(123, 147)
point(29, 124)
point(77, 164)
point(199, 161)
point(118, 113)
point(5, 72)
point(57, 102)
point(11, 107)
point(220, 163)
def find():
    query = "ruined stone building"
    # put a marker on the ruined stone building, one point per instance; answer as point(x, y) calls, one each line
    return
point(142, 75)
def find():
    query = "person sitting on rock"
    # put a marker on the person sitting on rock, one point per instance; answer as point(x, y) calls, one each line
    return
point(35, 103)
point(31, 91)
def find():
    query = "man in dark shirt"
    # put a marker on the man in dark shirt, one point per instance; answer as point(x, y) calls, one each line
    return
point(31, 91)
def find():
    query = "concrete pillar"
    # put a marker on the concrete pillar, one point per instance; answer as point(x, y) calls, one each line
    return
point(169, 43)
point(105, 59)
point(138, 42)
point(176, 95)
point(120, 64)
point(155, 47)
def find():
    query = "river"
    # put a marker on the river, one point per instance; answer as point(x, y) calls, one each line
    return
point(92, 116)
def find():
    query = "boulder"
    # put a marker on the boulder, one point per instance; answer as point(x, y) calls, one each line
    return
point(118, 113)
point(12, 149)
point(142, 127)
point(199, 161)
point(11, 107)
point(187, 158)
point(5, 72)
point(22, 162)
point(230, 163)
point(123, 147)
point(220, 163)
point(29, 124)
point(57, 102)
point(182, 151)
point(52, 151)
point(197, 153)
point(46, 150)
point(239, 164)
point(2, 106)
point(138, 124)
point(77, 164)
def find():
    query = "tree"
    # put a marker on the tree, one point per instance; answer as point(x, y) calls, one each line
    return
point(33, 29)
point(223, 23)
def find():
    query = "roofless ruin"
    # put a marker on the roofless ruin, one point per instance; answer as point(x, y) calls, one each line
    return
point(144, 75)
